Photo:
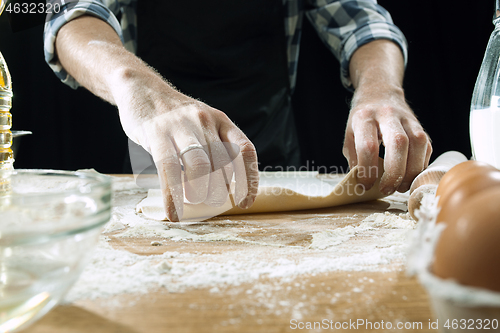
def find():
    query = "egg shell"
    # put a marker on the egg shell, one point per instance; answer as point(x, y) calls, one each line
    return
point(468, 250)
point(459, 172)
point(462, 186)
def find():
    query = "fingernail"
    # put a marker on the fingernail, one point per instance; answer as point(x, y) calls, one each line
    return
point(173, 217)
point(404, 187)
point(246, 202)
point(367, 187)
point(177, 212)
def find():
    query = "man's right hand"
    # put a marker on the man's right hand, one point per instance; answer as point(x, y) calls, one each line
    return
point(167, 124)
point(162, 120)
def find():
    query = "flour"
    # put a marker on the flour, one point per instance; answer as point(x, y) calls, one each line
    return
point(375, 221)
point(113, 225)
point(144, 231)
point(114, 272)
point(375, 243)
point(177, 235)
point(181, 235)
point(329, 238)
point(388, 220)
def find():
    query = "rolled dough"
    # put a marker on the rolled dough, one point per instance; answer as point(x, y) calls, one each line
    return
point(278, 191)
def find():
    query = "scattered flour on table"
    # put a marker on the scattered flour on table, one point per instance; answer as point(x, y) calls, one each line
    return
point(177, 234)
point(371, 245)
point(404, 222)
point(390, 221)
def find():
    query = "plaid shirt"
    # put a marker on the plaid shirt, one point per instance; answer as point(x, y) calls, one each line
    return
point(343, 25)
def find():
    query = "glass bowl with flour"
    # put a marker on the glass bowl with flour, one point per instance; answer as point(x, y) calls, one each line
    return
point(49, 224)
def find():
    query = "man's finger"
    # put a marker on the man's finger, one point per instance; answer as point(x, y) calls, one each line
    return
point(417, 155)
point(221, 175)
point(197, 168)
point(367, 147)
point(246, 170)
point(395, 160)
point(169, 173)
point(349, 150)
point(240, 190)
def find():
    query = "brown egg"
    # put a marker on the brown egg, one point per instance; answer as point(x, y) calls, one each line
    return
point(468, 250)
point(457, 172)
point(460, 184)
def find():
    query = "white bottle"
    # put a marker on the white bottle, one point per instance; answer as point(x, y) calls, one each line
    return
point(485, 133)
point(485, 108)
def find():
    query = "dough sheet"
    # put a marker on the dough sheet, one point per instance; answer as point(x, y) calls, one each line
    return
point(278, 192)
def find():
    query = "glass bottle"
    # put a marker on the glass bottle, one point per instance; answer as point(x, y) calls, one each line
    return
point(485, 105)
point(6, 154)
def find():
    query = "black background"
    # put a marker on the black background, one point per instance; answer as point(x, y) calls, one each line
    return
point(73, 129)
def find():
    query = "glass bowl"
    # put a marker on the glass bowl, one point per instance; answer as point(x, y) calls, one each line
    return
point(49, 224)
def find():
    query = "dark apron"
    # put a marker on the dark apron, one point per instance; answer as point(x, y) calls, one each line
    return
point(230, 54)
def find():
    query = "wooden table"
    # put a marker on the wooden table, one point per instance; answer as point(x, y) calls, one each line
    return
point(331, 298)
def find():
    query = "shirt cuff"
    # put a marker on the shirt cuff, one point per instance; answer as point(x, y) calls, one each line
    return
point(54, 22)
point(364, 35)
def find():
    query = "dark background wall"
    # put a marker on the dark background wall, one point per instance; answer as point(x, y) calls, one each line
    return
point(72, 129)
point(446, 47)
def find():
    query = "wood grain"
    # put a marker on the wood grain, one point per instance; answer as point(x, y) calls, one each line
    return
point(387, 294)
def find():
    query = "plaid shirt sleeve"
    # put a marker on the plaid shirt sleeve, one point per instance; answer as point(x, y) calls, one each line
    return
point(345, 25)
point(103, 9)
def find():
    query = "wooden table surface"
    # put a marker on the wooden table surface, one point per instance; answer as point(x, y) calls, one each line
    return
point(307, 302)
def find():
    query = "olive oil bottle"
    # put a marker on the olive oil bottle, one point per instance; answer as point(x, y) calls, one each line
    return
point(6, 154)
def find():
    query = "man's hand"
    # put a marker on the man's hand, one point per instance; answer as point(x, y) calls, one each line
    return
point(162, 120)
point(175, 128)
point(380, 114)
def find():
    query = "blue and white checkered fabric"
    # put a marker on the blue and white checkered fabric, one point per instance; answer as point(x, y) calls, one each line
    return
point(343, 25)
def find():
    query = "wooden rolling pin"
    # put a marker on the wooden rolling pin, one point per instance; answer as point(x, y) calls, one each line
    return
point(427, 181)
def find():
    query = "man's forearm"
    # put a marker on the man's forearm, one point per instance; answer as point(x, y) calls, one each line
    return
point(376, 67)
point(91, 51)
